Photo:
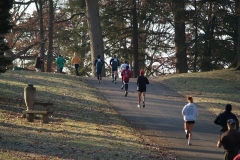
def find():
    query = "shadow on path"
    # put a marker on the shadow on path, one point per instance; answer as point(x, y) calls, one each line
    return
point(161, 121)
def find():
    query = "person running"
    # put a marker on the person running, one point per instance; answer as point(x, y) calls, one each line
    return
point(76, 61)
point(222, 118)
point(98, 65)
point(123, 66)
point(60, 63)
point(126, 74)
point(189, 112)
point(230, 140)
point(114, 63)
point(141, 88)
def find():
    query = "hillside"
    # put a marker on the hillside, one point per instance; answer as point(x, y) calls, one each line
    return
point(83, 125)
point(212, 90)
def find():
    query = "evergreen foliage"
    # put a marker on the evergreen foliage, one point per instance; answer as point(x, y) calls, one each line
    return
point(5, 26)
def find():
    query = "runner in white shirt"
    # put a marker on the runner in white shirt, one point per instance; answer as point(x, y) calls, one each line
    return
point(123, 66)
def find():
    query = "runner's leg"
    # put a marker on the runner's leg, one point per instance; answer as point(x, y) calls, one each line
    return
point(143, 100)
point(139, 98)
point(190, 129)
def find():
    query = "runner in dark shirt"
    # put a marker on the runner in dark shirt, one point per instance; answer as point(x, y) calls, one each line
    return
point(230, 140)
point(223, 117)
point(141, 82)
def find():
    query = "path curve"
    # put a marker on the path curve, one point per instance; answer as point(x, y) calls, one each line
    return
point(161, 121)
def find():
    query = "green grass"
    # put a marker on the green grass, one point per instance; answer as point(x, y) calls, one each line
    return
point(83, 125)
point(212, 90)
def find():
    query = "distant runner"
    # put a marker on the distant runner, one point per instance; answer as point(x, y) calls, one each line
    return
point(141, 88)
point(126, 74)
point(98, 65)
point(60, 63)
point(123, 66)
point(114, 63)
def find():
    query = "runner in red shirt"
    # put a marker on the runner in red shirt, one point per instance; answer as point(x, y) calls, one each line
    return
point(126, 74)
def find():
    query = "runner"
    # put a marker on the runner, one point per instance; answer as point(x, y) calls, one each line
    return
point(114, 63)
point(98, 65)
point(123, 66)
point(230, 140)
point(189, 112)
point(222, 118)
point(126, 74)
point(141, 82)
point(76, 62)
point(60, 63)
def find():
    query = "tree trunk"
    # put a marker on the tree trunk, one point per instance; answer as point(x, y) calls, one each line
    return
point(196, 39)
point(135, 40)
point(180, 37)
point(236, 62)
point(42, 44)
point(95, 32)
point(206, 60)
point(50, 37)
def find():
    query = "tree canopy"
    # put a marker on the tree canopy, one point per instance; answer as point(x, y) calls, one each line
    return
point(161, 37)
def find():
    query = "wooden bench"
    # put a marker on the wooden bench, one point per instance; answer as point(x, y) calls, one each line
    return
point(31, 115)
point(45, 111)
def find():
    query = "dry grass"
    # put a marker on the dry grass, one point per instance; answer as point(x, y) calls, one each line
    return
point(212, 90)
point(83, 125)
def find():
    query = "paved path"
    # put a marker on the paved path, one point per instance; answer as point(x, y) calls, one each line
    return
point(161, 120)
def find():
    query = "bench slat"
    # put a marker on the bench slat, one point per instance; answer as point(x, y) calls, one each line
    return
point(38, 112)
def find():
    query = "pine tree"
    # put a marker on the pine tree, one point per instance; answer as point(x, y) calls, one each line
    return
point(5, 26)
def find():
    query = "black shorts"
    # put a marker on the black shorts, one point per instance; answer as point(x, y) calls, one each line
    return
point(189, 122)
point(141, 89)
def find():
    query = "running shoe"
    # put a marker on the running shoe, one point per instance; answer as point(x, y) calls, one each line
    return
point(189, 143)
point(126, 93)
point(143, 104)
point(115, 82)
point(187, 134)
point(138, 106)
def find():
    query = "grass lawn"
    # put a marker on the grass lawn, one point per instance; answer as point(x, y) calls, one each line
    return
point(83, 125)
point(212, 90)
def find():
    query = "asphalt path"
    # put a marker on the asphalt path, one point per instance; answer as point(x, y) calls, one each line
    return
point(161, 121)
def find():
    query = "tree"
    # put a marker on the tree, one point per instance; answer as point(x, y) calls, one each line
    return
point(236, 62)
point(95, 32)
point(180, 37)
point(5, 26)
point(135, 39)
point(50, 37)
point(39, 8)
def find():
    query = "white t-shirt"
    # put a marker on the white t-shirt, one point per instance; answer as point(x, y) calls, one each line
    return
point(123, 66)
point(190, 112)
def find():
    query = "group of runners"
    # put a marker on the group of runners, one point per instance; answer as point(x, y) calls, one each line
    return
point(229, 135)
point(126, 75)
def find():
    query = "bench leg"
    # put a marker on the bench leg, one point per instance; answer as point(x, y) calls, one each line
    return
point(30, 117)
point(45, 118)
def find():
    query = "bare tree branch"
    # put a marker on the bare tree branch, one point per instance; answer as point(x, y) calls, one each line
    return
point(24, 3)
point(70, 17)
